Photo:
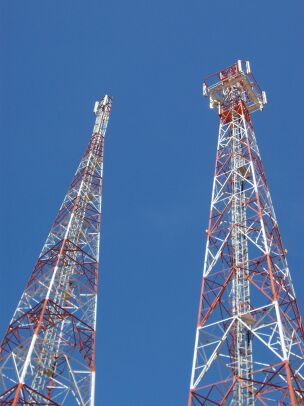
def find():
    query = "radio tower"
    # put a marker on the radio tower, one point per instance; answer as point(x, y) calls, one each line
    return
point(47, 356)
point(249, 347)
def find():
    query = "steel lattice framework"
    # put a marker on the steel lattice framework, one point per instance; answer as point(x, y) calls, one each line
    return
point(47, 356)
point(249, 347)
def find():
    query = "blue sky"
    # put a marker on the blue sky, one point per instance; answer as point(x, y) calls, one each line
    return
point(58, 57)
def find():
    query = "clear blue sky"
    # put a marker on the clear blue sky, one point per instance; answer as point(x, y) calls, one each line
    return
point(58, 57)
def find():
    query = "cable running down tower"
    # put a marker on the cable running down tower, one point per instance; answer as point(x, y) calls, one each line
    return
point(249, 346)
point(47, 356)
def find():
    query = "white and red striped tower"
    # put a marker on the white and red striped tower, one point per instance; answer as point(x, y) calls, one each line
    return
point(249, 347)
point(47, 356)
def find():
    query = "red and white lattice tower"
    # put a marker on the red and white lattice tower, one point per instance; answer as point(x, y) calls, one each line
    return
point(249, 347)
point(47, 356)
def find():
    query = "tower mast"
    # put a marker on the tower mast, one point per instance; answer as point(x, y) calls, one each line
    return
point(47, 356)
point(249, 346)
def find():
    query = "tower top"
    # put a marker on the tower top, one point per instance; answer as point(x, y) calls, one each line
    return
point(106, 100)
point(102, 109)
point(233, 84)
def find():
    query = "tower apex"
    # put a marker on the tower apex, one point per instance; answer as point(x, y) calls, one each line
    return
point(232, 84)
